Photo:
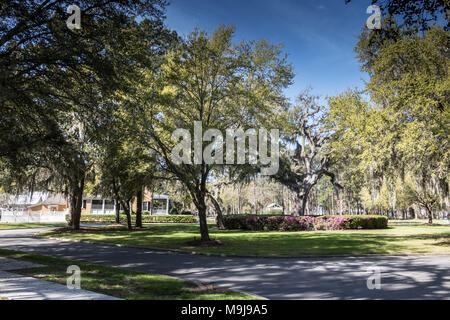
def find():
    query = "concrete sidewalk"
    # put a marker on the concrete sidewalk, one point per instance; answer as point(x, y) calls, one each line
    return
point(18, 287)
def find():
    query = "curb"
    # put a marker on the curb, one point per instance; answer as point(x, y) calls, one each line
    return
point(225, 255)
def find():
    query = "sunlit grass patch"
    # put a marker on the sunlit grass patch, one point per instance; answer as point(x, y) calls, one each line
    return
point(395, 239)
point(120, 283)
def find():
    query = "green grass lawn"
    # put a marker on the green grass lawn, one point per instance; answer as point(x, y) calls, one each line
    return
point(417, 222)
point(120, 283)
point(29, 225)
point(395, 239)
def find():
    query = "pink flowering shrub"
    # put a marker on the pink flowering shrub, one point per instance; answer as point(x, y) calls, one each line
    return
point(305, 223)
point(297, 224)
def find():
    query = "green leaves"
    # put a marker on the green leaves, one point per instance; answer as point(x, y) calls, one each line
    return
point(403, 133)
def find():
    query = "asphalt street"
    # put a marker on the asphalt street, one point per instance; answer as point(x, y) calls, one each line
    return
point(401, 277)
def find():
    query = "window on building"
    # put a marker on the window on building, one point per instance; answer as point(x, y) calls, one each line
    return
point(109, 205)
point(97, 204)
point(159, 204)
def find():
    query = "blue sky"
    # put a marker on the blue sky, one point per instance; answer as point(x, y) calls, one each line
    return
point(318, 35)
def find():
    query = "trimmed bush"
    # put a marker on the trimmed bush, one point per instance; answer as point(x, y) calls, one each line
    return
point(305, 223)
point(111, 218)
point(367, 222)
point(169, 219)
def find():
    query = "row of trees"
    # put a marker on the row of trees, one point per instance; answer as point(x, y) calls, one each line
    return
point(392, 152)
point(94, 108)
point(65, 123)
point(383, 149)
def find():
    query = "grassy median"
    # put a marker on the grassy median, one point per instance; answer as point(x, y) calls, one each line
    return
point(395, 239)
point(120, 283)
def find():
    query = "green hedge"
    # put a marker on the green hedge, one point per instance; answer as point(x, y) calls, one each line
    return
point(111, 218)
point(367, 222)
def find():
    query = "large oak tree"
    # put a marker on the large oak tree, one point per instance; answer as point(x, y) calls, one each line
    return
point(222, 85)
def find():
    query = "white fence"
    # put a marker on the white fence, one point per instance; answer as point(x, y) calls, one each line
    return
point(14, 216)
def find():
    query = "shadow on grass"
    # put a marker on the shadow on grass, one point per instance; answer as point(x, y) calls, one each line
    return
point(126, 284)
point(270, 243)
point(154, 229)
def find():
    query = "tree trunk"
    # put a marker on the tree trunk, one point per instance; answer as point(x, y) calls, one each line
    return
point(239, 199)
point(332, 203)
point(203, 225)
point(117, 212)
point(76, 202)
point(218, 211)
point(126, 207)
point(151, 202)
point(430, 215)
point(201, 207)
point(117, 204)
point(304, 204)
point(301, 202)
point(139, 209)
point(297, 205)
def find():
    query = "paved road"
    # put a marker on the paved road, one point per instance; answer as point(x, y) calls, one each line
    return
point(412, 277)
